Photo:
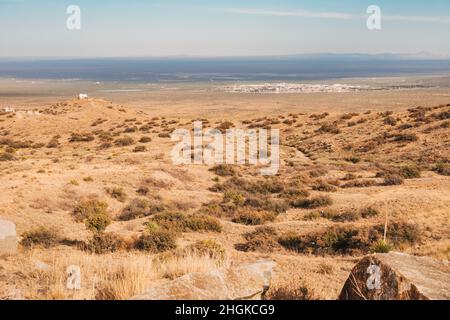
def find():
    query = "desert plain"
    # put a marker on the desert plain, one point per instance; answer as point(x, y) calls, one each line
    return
point(91, 183)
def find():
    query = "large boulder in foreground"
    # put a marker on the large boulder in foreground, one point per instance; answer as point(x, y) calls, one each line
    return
point(8, 237)
point(397, 276)
point(243, 282)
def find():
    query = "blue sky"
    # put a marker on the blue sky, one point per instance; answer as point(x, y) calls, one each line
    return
point(221, 28)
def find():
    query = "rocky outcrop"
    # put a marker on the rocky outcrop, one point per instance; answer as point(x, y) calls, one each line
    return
point(243, 282)
point(397, 276)
point(8, 237)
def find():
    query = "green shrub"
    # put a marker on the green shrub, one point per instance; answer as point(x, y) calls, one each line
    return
point(179, 222)
point(203, 223)
point(42, 237)
point(97, 222)
point(381, 247)
point(88, 207)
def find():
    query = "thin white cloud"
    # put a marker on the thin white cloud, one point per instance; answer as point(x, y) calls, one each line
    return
point(294, 13)
point(331, 15)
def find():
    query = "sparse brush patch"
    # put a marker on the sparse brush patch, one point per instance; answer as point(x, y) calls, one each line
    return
point(124, 141)
point(359, 184)
point(156, 241)
point(349, 176)
point(143, 190)
point(405, 138)
point(145, 139)
point(224, 170)
point(81, 137)
point(54, 142)
point(263, 239)
point(88, 207)
point(389, 120)
point(443, 169)
point(329, 128)
point(252, 217)
point(164, 135)
point(88, 179)
point(117, 193)
point(353, 159)
point(410, 172)
point(101, 243)
point(398, 232)
point(265, 203)
point(138, 208)
point(290, 291)
point(340, 216)
point(140, 149)
point(311, 203)
point(209, 248)
point(317, 173)
point(324, 268)
point(294, 192)
point(41, 237)
point(323, 186)
point(392, 180)
point(179, 222)
point(369, 212)
point(341, 240)
point(7, 156)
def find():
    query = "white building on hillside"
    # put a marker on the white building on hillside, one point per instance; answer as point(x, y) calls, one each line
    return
point(82, 96)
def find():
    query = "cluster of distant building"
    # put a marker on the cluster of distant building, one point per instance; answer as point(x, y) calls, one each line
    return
point(290, 88)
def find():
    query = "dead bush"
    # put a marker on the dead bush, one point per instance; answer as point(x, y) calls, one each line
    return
point(41, 237)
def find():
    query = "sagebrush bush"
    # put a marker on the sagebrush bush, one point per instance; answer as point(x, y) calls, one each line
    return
point(381, 246)
point(179, 222)
point(156, 241)
point(223, 170)
point(97, 222)
point(410, 172)
point(117, 193)
point(88, 207)
point(311, 203)
point(124, 141)
point(393, 180)
point(253, 217)
point(101, 243)
point(41, 237)
point(138, 208)
point(209, 248)
point(443, 169)
point(263, 239)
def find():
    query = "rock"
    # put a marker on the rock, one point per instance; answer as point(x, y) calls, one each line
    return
point(8, 237)
point(397, 276)
point(247, 282)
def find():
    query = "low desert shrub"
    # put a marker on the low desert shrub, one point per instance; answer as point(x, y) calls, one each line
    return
point(124, 141)
point(263, 239)
point(138, 208)
point(381, 246)
point(117, 193)
point(443, 169)
point(410, 172)
point(88, 207)
point(392, 180)
point(223, 170)
point(252, 217)
point(156, 241)
point(97, 222)
point(101, 243)
point(311, 203)
point(209, 248)
point(41, 237)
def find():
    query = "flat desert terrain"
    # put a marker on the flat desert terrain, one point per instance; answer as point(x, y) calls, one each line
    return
point(91, 183)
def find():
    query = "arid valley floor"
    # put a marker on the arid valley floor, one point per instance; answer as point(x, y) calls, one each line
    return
point(91, 183)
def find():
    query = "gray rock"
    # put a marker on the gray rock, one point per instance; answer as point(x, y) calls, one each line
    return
point(397, 276)
point(247, 282)
point(8, 237)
